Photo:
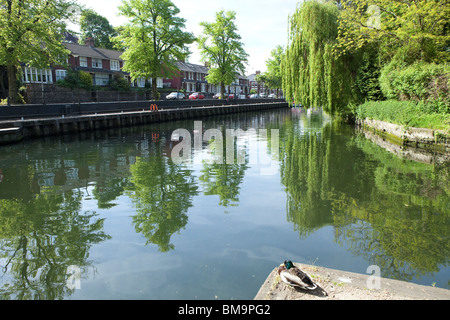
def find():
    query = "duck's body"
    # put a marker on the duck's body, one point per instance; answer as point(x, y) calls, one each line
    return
point(295, 277)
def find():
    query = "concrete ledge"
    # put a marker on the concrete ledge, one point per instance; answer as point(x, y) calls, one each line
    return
point(409, 136)
point(47, 126)
point(341, 285)
point(410, 153)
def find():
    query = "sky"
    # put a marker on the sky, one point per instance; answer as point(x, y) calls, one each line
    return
point(262, 24)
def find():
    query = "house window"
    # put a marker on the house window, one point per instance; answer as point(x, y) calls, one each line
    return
point(60, 74)
point(101, 79)
point(140, 82)
point(34, 75)
point(83, 62)
point(97, 63)
point(115, 65)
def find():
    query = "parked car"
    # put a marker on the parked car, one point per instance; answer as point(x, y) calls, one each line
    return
point(272, 96)
point(231, 96)
point(254, 96)
point(217, 96)
point(196, 96)
point(175, 96)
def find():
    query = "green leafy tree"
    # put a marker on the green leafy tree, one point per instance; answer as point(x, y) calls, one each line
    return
point(31, 32)
point(93, 25)
point(220, 45)
point(421, 26)
point(154, 39)
point(312, 74)
point(273, 77)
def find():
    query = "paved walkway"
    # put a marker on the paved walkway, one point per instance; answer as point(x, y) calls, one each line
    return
point(341, 285)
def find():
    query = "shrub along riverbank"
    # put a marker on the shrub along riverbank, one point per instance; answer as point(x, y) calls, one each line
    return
point(407, 113)
point(391, 65)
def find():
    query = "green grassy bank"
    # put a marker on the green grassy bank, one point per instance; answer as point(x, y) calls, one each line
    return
point(407, 113)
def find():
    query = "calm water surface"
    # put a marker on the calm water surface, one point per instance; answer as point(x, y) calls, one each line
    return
point(110, 215)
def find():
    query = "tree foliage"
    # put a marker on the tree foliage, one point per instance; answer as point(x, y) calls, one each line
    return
point(154, 39)
point(411, 39)
point(273, 77)
point(31, 32)
point(312, 74)
point(76, 79)
point(220, 45)
point(420, 26)
point(93, 25)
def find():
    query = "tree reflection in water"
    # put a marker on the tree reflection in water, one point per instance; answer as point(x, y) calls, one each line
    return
point(39, 240)
point(393, 212)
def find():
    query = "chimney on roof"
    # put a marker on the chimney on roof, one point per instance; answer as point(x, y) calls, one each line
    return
point(258, 72)
point(89, 42)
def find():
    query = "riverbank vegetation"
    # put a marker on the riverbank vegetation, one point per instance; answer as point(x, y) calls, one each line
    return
point(388, 58)
point(407, 113)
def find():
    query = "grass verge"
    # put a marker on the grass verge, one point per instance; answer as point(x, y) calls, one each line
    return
point(407, 113)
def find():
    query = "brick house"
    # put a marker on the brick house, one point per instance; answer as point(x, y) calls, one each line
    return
point(257, 86)
point(192, 78)
point(102, 64)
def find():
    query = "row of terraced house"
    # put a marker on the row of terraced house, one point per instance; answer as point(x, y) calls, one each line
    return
point(103, 64)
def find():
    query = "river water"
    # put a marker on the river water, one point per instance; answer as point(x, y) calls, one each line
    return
point(193, 210)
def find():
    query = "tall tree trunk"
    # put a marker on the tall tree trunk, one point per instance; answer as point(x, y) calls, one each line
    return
point(154, 89)
point(12, 84)
point(2, 82)
point(222, 90)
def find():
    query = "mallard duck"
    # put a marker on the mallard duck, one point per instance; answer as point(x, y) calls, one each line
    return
point(295, 277)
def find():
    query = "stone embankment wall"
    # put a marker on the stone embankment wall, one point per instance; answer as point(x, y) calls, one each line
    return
point(438, 140)
point(16, 130)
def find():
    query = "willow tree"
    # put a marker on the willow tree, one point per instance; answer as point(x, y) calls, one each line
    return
point(154, 39)
point(312, 74)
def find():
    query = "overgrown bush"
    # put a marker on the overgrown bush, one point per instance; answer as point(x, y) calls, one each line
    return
point(119, 83)
point(419, 81)
point(368, 74)
point(76, 79)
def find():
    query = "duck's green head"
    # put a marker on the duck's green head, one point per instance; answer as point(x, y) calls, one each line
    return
point(288, 264)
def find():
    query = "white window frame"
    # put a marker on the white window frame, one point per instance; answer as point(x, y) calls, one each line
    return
point(101, 79)
point(83, 62)
point(115, 65)
point(60, 74)
point(34, 75)
point(159, 82)
point(139, 82)
point(97, 63)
